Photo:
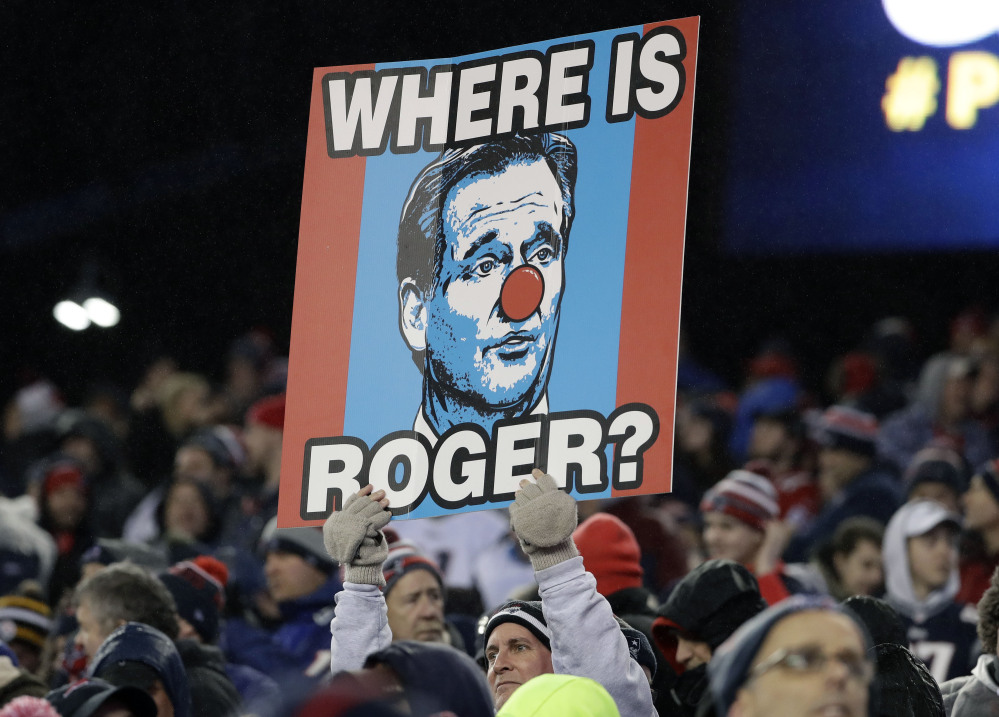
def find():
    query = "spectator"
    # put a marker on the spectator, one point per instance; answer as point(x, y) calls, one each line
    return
point(64, 499)
point(737, 514)
point(113, 492)
point(589, 642)
point(211, 457)
point(778, 450)
point(123, 593)
point(703, 610)
point(15, 681)
point(778, 663)
point(25, 623)
point(942, 408)
point(980, 548)
point(937, 472)
point(920, 550)
point(849, 479)
point(302, 583)
point(137, 655)
point(431, 679)
point(198, 588)
point(850, 563)
point(977, 694)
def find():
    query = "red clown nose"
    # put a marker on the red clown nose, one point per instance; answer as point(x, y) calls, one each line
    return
point(522, 292)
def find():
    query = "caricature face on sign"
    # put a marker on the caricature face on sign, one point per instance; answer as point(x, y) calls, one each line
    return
point(482, 325)
point(444, 340)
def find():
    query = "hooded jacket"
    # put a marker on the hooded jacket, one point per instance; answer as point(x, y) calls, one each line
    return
point(974, 695)
point(709, 604)
point(136, 642)
point(562, 695)
point(941, 632)
point(437, 678)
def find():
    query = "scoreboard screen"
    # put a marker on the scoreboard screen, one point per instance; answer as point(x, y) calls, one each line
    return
point(864, 127)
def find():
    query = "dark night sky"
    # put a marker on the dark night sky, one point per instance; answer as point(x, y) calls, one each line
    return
point(167, 142)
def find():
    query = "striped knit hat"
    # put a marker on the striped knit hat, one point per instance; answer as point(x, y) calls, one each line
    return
point(849, 429)
point(404, 556)
point(745, 496)
point(25, 619)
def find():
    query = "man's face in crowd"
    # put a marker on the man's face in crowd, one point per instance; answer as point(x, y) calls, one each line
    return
point(494, 223)
point(932, 557)
point(728, 538)
point(830, 691)
point(837, 467)
point(416, 608)
point(690, 652)
point(290, 577)
point(514, 656)
point(90, 634)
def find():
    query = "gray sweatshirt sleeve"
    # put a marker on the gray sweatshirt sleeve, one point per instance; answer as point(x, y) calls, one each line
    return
point(359, 627)
point(586, 639)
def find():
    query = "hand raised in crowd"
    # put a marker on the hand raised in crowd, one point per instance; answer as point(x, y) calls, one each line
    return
point(353, 536)
point(543, 517)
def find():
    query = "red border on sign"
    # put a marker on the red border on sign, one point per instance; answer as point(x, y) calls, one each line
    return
point(322, 315)
point(653, 266)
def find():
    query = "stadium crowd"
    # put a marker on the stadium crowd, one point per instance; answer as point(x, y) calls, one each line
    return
point(825, 550)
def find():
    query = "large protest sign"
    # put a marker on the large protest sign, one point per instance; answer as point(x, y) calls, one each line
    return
point(489, 271)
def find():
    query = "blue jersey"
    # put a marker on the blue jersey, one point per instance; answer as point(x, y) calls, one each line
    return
point(947, 642)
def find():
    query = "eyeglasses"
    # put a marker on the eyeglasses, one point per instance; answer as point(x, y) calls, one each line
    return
point(811, 659)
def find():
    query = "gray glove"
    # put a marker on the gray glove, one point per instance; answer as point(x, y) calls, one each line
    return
point(543, 517)
point(353, 538)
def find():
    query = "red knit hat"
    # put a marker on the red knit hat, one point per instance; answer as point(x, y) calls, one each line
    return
point(610, 552)
point(267, 411)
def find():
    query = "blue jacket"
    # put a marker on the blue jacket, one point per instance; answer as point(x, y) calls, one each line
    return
point(298, 648)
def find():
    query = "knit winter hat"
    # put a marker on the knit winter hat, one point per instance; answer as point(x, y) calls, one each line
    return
point(404, 557)
point(709, 604)
point(268, 411)
point(307, 543)
point(745, 496)
point(25, 619)
point(527, 614)
point(938, 463)
point(551, 694)
point(222, 445)
point(639, 646)
point(849, 429)
point(610, 552)
point(199, 593)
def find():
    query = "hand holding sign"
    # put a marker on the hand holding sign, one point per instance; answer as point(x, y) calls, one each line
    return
point(354, 538)
point(543, 517)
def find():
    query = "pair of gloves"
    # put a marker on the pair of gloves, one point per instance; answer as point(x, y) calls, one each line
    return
point(542, 516)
